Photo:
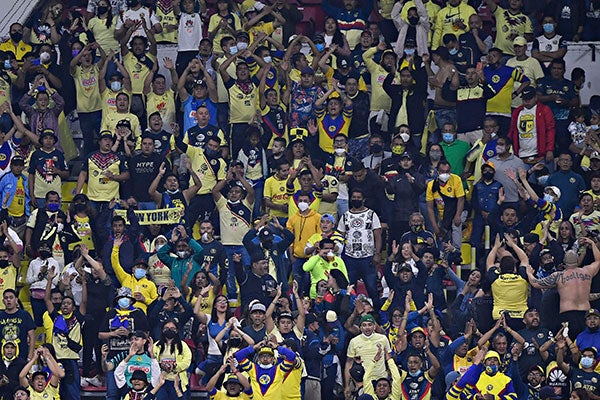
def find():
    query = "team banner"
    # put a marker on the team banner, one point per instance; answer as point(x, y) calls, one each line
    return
point(163, 216)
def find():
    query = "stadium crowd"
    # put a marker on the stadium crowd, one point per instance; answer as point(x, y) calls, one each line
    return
point(401, 202)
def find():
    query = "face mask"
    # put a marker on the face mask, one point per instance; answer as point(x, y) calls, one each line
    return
point(488, 176)
point(549, 198)
point(115, 86)
point(124, 302)
point(242, 46)
point(303, 206)
point(7, 64)
point(265, 366)
point(52, 207)
point(409, 52)
point(376, 149)
point(416, 228)
point(205, 237)
point(56, 306)
point(444, 177)
point(211, 153)
point(548, 28)
point(45, 57)
point(500, 149)
point(235, 342)
point(74, 52)
point(139, 273)
point(4, 263)
point(491, 369)
point(435, 155)
point(320, 47)
point(542, 180)
point(158, 247)
point(267, 59)
point(44, 254)
point(594, 127)
point(356, 203)
point(414, 374)
point(587, 362)
point(102, 10)
point(405, 137)
point(339, 152)
point(398, 149)
point(448, 137)
point(453, 52)
point(413, 20)
point(182, 254)
point(170, 333)
point(16, 36)
point(60, 227)
point(233, 50)
point(548, 266)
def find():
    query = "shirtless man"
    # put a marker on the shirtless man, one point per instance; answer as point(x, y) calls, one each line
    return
point(573, 285)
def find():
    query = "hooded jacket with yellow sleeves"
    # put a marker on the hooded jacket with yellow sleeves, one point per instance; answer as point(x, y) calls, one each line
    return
point(144, 286)
point(183, 360)
point(303, 227)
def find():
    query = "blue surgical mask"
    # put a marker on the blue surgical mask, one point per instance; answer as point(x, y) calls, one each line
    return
point(320, 47)
point(74, 52)
point(409, 52)
point(124, 302)
point(414, 374)
point(453, 52)
point(7, 64)
point(52, 207)
point(233, 50)
point(548, 28)
point(594, 127)
point(139, 273)
point(587, 362)
point(491, 369)
point(115, 86)
point(548, 198)
point(448, 137)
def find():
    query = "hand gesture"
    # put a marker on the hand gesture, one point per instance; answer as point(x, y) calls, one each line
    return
point(381, 46)
point(379, 353)
point(407, 300)
point(312, 127)
point(522, 174)
point(168, 63)
point(501, 195)
point(104, 350)
point(510, 173)
point(118, 241)
point(295, 287)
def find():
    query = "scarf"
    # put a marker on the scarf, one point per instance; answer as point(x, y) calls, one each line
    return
point(246, 87)
point(121, 319)
point(61, 326)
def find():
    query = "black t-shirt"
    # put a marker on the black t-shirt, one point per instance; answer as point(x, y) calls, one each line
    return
point(142, 171)
point(133, 321)
point(590, 381)
point(15, 327)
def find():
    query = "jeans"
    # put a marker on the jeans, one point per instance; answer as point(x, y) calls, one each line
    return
point(70, 384)
point(223, 117)
point(230, 284)
point(38, 307)
point(138, 107)
point(301, 276)
point(90, 128)
point(237, 138)
point(342, 207)
point(210, 366)
point(167, 392)
point(112, 391)
point(91, 343)
point(259, 188)
point(363, 268)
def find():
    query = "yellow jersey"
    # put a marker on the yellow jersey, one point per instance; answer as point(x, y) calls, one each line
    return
point(276, 191)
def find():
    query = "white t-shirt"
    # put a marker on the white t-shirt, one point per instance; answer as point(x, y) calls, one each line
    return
point(358, 228)
point(144, 14)
point(527, 133)
point(190, 32)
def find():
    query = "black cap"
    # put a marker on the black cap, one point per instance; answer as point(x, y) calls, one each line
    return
point(139, 375)
point(49, 132)
point(257, 256)
point(265, 234)
point(310, 318)
point(236, 163)
point(343, 62)
point(531, 238)
point(528, 93)
point(124, 123)
point(17, 160)
point(410, 42)
point(240, 34)
point(405, 155)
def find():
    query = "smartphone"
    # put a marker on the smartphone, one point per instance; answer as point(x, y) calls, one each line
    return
point(36, 61)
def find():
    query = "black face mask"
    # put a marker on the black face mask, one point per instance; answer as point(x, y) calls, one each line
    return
point(56, 306)
point(102, 10)
point(16, 36)
point(4, 263)
point(170, 333)
point(488, 176)
point(413, 20)
point(267, 244)
point(356, 203)
point(548, 266)
point(235, 342)
point(80, 207)
point(45, 254)
point(376, 148)
point(211, 153)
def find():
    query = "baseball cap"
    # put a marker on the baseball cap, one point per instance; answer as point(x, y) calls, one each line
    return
point(285, 315)
point(556, 190)
point(451, 377)
point(231, 378)
point(328, 217)
point(17, 160)
point(491, 354)
point(307, 70)
point(266, 350)
point(342, 62)
point(139, 375)
point(406, 155)
point(107, 134)
point(310, 318)
point(367, 318)
point(124, 123)
point(200, 82)
point(405, 266)
point(520, 41)
point(595, 155)
point(258, 307)
point(330, 316)
point(528, 93)
point(488, 164)
point(547, 392)
point(49, 132)
point(592, 311)
point(531, 238)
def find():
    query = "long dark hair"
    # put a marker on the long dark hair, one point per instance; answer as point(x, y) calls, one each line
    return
point(213, 314)
point(194, 286)
point(162, 342)
point(109, 16)
point(338, 37)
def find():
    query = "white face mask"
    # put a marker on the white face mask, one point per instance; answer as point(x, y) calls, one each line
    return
point(303, 206)
point(158, 247)
point(265, 366)
point(242, 46)
point(45, 57)
point(182, 254)
point(267, 59)
point(339, 152)
point(59, 227)
point(205, 237)
point(444, 177)
point(115, 86)
point(405, 137)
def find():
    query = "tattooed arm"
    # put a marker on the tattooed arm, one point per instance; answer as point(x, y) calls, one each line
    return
point(548, 282)
point(594, 296)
